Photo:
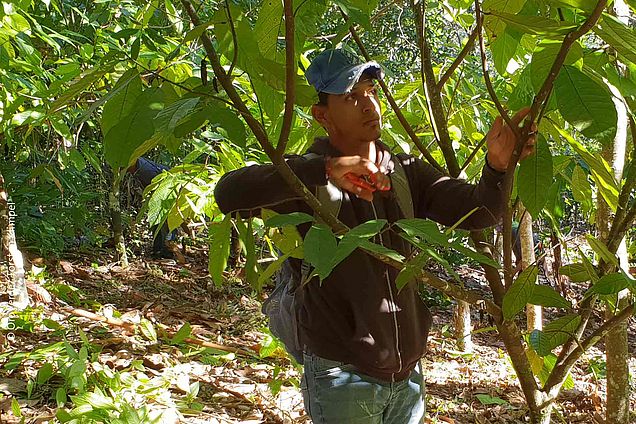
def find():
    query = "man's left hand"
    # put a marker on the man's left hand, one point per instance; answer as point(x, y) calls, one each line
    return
point(501, 141)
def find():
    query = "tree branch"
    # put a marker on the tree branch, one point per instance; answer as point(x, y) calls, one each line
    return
point(394, 106)
point(259, 131)
point(484, 66)
point(563, 366)
point(433, 97)
point(470, 43)
point(290, 77)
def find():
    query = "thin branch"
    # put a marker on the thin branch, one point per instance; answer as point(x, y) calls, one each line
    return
point(473, 154)
point(484, 66)
point(563, 367)
point(470, 43)
point(396, 109)
point(290, 78)
point(568, 41)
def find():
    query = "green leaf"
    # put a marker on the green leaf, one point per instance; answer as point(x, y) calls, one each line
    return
point(411, 269)
point(268, 25)
point(536, 25)
point(490, 400)
point(584, 103)
point(355, 237)
point(504, 48)
point(378, 248)
point(618, 35)
point(320, 245)
point(44, 373)
point(535, 175)
point(475, 256)
point(60, 397)
point(246, 236)
point(610, 284)
point(494, 24)
point(123, 139)
point(577, 272)
point(581, 189)
point(167, 120)
point(543, 58)
point(148, 329)
point(547, 296)
point(554, 334)
point(520, 293)
point(294, 218)
point(219, 241)
point(184, 332)
point(585, 5)
point(425, 229)
point(600, 171)
point(122, 99)
point(601, 249)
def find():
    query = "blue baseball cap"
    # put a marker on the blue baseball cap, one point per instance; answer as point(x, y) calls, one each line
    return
point(337, 71)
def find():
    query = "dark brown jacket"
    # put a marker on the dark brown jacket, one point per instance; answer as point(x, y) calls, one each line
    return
point(357, 315)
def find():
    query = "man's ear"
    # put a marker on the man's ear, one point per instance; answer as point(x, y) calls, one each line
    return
point(320, 114)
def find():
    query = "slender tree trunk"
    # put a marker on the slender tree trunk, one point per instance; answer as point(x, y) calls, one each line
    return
point(115, 215)
point(463, 327)
point(10, 252)
point(542, 416)
point(616, 346)
point(534, 313)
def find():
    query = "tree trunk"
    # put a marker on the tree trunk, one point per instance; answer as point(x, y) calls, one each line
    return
point(115, 215)
point(616, 346)
point(10, 252)
point(534, 313)
point(542, 416)
point(463, 327)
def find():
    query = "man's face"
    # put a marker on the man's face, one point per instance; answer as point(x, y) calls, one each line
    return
point(354, 116)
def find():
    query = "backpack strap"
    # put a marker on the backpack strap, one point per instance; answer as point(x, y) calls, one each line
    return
point(402, 190)
point(329, 195)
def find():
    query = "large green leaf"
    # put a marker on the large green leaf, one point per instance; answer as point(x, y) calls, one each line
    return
point(554, 334)
point(169, 118)
point(320, 245)
point(581, 189)
point(503, 49)
point(535, 175)
point(294, 218)
point(520, 293)
point(121, 141)
point(577, 272)
point(585, 104)
point(601, 249)
point(618, 35)
point(425, 229)
point(610, 284)
point(411, 269)
point(536, 25)
point(547, 296)
point(494, 24)
point(219, 242)
point(586, 5)
point(355, 237)
point(543, 58)
point(600, 171)
point(268, 25)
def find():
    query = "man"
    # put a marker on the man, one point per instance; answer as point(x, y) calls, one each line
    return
point(362, 337)
point(144, 170)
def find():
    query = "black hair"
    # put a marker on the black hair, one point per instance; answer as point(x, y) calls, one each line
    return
point(323, 98)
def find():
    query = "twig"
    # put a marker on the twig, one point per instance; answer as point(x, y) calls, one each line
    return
point(396, 109)
point(473, 154)
point(484, 66)
point(290, 78)
point(562, 367)
point(458, 60)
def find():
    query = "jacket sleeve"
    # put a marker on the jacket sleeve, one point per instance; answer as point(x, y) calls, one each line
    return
point(249, 189)
point(447, 200)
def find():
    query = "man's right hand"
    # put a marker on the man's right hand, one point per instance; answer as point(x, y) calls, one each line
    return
point(357, 175)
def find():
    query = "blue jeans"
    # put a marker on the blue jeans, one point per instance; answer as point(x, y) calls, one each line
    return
point(335, 393)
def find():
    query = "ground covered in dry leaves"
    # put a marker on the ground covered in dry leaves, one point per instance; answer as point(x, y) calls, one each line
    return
point(107, 306)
